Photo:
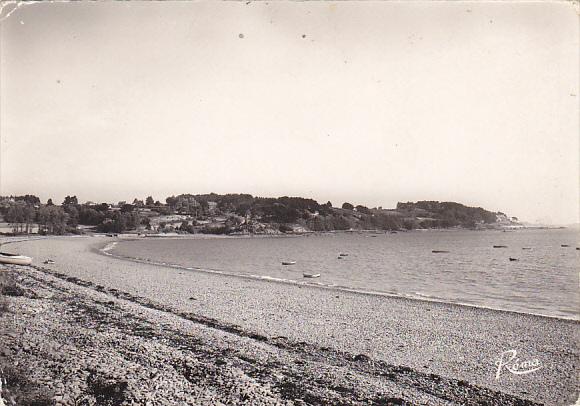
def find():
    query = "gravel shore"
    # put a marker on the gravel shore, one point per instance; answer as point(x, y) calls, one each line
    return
point(90, 325)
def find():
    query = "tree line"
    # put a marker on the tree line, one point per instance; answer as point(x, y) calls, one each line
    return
point(23, 212)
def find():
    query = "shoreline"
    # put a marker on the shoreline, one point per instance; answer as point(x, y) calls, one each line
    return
point(104, 251)
point(136, 235)
point(445, 340)
point(103, 346)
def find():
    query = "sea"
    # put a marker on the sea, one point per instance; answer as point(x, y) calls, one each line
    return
point(542, 276)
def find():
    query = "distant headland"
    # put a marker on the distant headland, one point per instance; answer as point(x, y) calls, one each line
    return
point(235, 214)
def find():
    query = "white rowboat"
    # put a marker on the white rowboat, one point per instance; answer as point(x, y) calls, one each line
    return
point(14, 259)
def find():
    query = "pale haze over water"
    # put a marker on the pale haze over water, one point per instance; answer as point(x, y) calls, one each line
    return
point(367, 102)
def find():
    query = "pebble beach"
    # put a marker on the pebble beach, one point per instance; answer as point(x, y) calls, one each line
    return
point(95, 328)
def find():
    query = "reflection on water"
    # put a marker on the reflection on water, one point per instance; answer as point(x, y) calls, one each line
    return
point(542, 280)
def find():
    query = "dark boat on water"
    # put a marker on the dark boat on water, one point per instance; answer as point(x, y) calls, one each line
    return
point(311, 275)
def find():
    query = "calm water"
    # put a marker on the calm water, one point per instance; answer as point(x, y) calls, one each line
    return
point(544, 280)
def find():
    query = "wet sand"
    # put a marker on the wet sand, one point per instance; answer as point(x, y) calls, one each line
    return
point(376, 347)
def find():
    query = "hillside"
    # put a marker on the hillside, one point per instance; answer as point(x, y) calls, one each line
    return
point(236, 213)
point(246, 214)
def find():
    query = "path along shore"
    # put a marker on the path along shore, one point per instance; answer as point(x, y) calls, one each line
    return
point(93, 327)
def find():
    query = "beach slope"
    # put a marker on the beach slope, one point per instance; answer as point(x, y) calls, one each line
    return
point(93, 326)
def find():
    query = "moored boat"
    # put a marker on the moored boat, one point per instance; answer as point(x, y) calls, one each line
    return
point(311, 275)
point(14, 259)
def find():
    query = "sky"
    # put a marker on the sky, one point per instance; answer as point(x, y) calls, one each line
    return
point(366, 102)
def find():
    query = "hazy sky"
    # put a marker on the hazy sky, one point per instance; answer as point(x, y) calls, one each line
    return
point(367, 102)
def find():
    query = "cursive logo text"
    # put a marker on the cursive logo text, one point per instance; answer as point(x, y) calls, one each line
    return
point(508, 360)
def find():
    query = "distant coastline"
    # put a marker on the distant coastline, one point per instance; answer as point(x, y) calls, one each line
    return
point(238, 214)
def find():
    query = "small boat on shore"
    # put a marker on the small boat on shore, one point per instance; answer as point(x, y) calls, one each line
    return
point(288, 262)
point(440, 252)
point(526, 248)
point(311, 275)
point(513, 259)
point(564, 245)
point(14, 259)
point(500, 246)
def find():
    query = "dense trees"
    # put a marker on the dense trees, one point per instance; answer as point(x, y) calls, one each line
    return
point(70, 200)
point(119, 222)
point(21, 215)
point(233, 213)
point(187, 227)
point(330, 223)
point(51, 220)
point(63, 219)
point(90, 216)
point(71, 207)
point(73, 217)
point(325, 209)
point(447, 214)
point(103, 207)
point(185, 204)
point(28, 199)
point(127, 208)
point(347, 206)
point(362, 209)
